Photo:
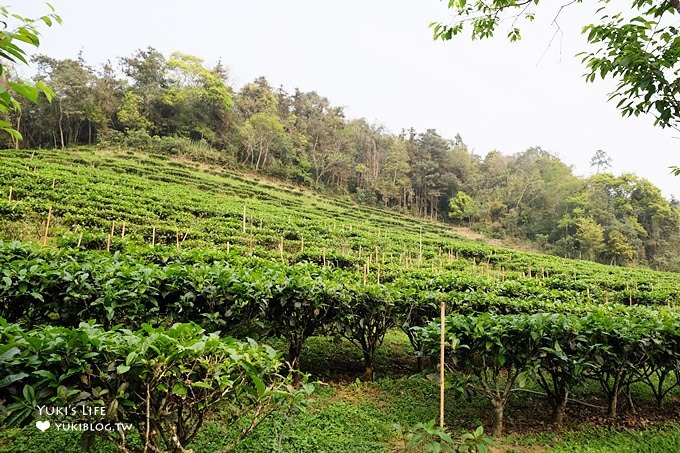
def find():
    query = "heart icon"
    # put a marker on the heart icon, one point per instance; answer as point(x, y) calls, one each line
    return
point(42, 426)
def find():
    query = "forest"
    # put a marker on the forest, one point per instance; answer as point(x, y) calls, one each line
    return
point(178, 106)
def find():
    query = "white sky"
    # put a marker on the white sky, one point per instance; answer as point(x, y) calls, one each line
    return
point(377, 59)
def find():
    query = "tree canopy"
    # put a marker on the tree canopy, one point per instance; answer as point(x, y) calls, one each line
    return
point(178, 105)
point(635, 42)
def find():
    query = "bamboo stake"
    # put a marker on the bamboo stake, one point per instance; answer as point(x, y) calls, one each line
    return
point(365, 272)
point(228, 246)
point(281, 249)
point(441, 364)
point(153, 237)
point(302, 244)
point(108, 242)
point(54, 182)
point(122, 233)
point(177, 237)
point(324, 257)
point(420, 252)
point(250, 244)
point(113, 226)
point(244, 218)
point(10, 194)
point(47, 227)
point(80, 239)
point(378, 273)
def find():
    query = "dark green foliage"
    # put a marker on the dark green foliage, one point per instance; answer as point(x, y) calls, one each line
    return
point(163, 382)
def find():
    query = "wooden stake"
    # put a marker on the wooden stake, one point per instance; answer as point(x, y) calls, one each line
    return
point(420, 253)
point(54, 182)
point(113, 226)
point(108, 242)
point(250, 244)
point(177, 237)
point(10, 194)
point(302, 244)
point(228, 246)
point(324, 256)
point(153, 237)
point(47, 226)
point(441, 364)
point(281, 250)
point(122, 233)
point(80, 239)
point(244, 218)
point(378, 273)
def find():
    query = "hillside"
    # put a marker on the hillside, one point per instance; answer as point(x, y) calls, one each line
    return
point(90, 192)
point(137, 242)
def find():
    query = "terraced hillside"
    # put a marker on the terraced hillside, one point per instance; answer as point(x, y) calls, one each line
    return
point(136, 242)
point(192, 205)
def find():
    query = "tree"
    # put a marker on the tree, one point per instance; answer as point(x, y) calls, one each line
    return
point(461, 207)
point(591, 237)
point(619, 248)
point(197, 98)
point(78, 108)
point(11, 52)
point(129, 115)
point(636, 44)
point(261, 134)
point(600, 160)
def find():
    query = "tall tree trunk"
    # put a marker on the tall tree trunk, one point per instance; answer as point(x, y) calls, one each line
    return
point(61, 126)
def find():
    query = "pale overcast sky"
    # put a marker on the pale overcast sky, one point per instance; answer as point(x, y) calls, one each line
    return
point(377, 59)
